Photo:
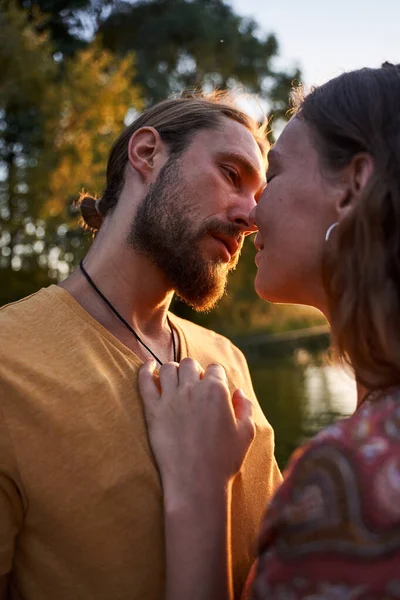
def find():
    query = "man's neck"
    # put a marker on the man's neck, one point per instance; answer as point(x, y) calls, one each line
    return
point(135, 287)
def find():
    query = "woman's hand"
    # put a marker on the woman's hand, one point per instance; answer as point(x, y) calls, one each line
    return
point(198, 433)
point(200, 437)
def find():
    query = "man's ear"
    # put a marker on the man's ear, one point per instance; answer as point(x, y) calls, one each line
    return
point(355, 177)
point(146, 151)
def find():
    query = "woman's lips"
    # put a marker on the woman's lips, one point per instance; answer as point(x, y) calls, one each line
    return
point(258, 243)
point(260, 246)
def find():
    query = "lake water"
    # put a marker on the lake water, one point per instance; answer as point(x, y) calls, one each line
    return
point(300, 393)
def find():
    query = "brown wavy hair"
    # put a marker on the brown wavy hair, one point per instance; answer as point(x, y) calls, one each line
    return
point(176, 120)
point(357, 112)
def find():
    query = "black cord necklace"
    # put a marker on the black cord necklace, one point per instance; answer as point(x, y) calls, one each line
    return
point(121, 318)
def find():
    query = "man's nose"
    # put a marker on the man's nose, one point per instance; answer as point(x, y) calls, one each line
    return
point(242, 218)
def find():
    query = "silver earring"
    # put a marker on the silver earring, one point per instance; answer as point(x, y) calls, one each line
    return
point(331, 228)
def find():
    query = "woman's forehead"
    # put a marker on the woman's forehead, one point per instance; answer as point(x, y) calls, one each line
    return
point(295, 142)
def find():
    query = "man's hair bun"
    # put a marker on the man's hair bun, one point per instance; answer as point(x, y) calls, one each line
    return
point(91, 213)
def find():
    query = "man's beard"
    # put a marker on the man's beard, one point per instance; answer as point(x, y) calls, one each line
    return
point(164, 231)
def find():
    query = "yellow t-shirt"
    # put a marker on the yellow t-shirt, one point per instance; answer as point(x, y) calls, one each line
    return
point(81, 513)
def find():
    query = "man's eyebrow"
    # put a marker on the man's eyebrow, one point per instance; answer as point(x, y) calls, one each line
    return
point(245, 163)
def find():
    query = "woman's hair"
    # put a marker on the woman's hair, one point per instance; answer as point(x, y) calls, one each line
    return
point(176, 120)
point(359, 112)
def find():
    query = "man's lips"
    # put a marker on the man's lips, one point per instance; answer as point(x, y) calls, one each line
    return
point(232, 244)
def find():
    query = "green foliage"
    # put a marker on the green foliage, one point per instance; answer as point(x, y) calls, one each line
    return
point(65, 21)
point(25, 60)
point(26, 71)
point(57, 123)
point(202, 43)
point(94, 97)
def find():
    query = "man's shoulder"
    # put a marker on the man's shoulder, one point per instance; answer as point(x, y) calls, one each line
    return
point(29, 323)
point(195, 329)
point(197, 332)
point(16, 315)
point(209, 346)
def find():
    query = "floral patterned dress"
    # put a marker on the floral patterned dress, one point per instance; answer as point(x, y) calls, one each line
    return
point(332, 531)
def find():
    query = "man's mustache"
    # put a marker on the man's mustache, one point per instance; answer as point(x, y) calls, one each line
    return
point(215, 226)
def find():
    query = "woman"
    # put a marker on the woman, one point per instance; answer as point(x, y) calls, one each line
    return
point(329, 237)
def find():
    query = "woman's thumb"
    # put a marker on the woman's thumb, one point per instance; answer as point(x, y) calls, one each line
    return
point(242, 407)
point(243, 410)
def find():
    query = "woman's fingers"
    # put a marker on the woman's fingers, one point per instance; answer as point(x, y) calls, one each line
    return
point(243, 410)
point(190, 372)
point(216, 389)
point(169, 378)
point(147, 385)
point(179, 416)
point(242, 406)
point(215, 371)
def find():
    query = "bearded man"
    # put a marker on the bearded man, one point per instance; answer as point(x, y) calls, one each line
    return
point(81, 502)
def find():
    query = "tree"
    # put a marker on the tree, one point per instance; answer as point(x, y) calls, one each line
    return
point(58, 121)
point(23, 87)
point(95, 97)
point(182, 44)
point(68, 23)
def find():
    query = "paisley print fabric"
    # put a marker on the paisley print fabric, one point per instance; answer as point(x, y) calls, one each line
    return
point(332, 531)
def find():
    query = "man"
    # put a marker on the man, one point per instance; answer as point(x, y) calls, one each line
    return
point(80, 496)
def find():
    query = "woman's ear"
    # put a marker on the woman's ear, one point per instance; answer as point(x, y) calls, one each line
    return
point(355, 178)
point(146, 150)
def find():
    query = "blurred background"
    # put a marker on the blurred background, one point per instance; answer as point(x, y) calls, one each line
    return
point(73, 73)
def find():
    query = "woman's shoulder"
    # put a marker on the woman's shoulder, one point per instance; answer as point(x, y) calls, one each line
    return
point(339, 504)
point(364, 439)
point(378, 415)
point(355, 461)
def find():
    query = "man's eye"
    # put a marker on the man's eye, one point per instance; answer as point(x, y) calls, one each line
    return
point(232, 175)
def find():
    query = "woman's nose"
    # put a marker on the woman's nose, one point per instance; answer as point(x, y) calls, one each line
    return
point(252, 218)
point(243, 219)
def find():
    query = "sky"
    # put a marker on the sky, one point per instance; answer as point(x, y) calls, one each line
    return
point(325, 38)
